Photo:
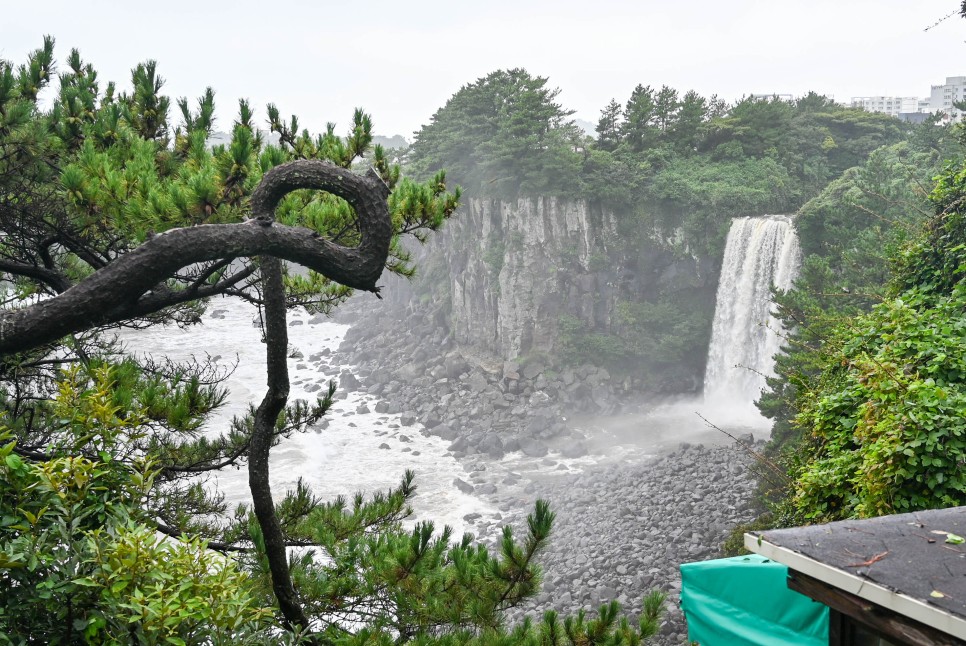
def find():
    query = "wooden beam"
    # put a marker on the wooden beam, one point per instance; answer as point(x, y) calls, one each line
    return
point(896, 628)
point(839, 633)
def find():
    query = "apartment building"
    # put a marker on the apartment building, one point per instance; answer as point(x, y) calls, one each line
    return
point(891, 105)
point(943, 97)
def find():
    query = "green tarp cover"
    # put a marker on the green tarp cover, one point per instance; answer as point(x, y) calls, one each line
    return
point(745, 600)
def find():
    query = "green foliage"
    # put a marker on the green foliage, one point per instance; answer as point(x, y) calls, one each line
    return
point(503, 134)
point(702, 196)
point(654, 341)
point(418, 579)
point(80, 561)
point(889, 420)
point(639, 130)
point(883, 414)
point(848, 235)
point(609, 126)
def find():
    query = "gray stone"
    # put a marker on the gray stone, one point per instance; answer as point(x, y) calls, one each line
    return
point(463, 486)
point(476, 382)
point(532, 447)
point(348, 381)
point(459, 445)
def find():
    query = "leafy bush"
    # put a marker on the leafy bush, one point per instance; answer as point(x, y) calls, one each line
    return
point(884, 419)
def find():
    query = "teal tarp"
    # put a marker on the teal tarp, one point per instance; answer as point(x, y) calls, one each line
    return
point(745, 601)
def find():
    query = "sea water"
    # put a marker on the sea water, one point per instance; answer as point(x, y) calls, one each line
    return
point(348, 456)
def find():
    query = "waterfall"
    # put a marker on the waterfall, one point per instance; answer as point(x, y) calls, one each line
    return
point(760, 252)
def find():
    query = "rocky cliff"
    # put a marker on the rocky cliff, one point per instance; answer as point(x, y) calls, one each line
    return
point(536, 278)
point(517, 267)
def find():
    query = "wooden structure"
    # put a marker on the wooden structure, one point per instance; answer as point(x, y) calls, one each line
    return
point(892, 580)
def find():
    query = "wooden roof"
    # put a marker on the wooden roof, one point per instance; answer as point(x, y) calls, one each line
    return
point(912, 564)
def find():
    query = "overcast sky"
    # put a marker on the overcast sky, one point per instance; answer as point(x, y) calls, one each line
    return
point(401, 60)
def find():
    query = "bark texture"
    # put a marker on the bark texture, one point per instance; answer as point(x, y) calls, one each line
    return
point(276, 343)
point(123, 288)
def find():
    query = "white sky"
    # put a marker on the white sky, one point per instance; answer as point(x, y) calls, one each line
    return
point(401, 60)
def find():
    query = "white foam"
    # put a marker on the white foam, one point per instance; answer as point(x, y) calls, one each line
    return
point(339, 460)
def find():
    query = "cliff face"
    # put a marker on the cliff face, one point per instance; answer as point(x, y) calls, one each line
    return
point(504, 276)
point(516, 267)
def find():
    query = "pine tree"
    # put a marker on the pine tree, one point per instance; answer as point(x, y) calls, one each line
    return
point(685, 130)
point(639, 130)
point(505, 132)
point(111, 215)
point(609, 126)
point(666, 107)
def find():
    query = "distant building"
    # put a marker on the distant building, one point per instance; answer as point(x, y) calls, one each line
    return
point(891, 105)
point(914, 118)
point(781, 97)
point(942, 97)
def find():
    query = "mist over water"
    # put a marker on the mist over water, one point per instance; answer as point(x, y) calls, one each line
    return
point(760, 252)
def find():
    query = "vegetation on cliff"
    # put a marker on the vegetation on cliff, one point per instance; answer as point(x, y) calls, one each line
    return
point(881, 406)
point(674, 168)
point(848, 234)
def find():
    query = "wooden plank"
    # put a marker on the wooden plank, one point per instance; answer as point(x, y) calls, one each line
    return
point(896, 628)
point(838, 629)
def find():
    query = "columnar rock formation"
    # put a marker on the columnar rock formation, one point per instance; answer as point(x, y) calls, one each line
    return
point(502, 275)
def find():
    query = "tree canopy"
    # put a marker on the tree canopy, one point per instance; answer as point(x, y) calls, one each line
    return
point(502, 134)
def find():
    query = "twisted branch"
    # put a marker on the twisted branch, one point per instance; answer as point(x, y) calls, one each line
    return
point(124, 287)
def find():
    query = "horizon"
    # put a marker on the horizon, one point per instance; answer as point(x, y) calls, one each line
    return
point(425, 52)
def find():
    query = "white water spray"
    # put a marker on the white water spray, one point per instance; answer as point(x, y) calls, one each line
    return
point(760, 252)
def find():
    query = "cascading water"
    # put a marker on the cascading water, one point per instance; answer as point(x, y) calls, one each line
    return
point(760, 252)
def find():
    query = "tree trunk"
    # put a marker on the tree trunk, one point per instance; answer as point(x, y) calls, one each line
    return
point(276, 345)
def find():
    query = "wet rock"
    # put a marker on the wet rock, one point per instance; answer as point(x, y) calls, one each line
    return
point(574, 450)
point(348, 380)
point(532, 447)
point(463, 486)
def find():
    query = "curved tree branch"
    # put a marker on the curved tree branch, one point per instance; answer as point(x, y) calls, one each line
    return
point(114, 293)
point(53, 279)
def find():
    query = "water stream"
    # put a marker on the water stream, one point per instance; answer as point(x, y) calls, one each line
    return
point(761, 252)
